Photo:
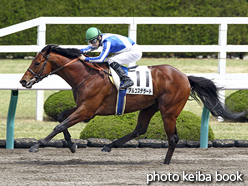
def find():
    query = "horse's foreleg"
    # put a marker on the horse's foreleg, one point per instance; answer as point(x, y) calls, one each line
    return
point(62, 116)
point(72, 146)
point(79, 115)
point(144, 118)
point(59, 128)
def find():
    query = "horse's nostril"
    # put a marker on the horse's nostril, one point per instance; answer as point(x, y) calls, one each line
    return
point(24, 83)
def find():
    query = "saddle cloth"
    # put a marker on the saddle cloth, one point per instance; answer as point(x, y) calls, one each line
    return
point(142, 79)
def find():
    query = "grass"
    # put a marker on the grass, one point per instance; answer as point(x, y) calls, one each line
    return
point(27, 127)
point(227, 130)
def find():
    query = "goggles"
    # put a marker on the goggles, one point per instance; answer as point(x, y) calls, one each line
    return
point(92, 42)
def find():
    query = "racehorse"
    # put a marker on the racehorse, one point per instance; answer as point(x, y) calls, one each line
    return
point(94, 94)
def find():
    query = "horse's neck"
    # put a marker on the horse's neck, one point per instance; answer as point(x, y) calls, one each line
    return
point(73, 73)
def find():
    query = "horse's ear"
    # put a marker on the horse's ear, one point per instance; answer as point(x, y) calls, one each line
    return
point(49, 48)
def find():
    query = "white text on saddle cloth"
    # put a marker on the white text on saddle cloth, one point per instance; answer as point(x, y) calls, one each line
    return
point(142, 79)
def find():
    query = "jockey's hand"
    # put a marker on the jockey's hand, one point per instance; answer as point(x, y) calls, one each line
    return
point(82, 57)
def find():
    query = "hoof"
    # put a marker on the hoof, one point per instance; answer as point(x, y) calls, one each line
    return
point(34, 148)
point(106, 149)
point(73, 149)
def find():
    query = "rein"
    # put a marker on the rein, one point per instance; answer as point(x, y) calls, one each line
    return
point(38, 77)
point(96, 66)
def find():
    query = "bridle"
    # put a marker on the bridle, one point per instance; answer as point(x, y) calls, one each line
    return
point(38, 77)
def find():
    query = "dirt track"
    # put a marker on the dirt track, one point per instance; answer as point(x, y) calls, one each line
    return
point(124, 166)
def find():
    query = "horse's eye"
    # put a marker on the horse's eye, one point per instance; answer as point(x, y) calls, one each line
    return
point(37, 64)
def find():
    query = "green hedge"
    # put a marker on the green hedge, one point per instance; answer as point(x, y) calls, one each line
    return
point(59, 102)
point(237, 101)
point(17, 11)
point(114, 127)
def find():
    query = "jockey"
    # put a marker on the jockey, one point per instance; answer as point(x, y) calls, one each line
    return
point(126, 51)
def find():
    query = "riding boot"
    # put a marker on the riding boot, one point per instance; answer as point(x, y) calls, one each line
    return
point(127, 82)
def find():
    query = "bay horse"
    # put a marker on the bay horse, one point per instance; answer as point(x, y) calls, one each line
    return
point(94, 94)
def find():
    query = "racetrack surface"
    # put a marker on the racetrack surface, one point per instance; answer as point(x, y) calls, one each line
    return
point(123, 166)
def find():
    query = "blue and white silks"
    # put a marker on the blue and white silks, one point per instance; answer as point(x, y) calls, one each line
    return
point(111, 43)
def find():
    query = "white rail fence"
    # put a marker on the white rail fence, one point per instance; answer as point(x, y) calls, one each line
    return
point(228, 81)
point(222, 48)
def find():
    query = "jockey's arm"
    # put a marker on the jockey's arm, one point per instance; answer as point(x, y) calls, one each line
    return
point(87, 50)
point(105, 52)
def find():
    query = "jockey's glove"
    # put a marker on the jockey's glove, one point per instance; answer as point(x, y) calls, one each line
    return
point(82, 57)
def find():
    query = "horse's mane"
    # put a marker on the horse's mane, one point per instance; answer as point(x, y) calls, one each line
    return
point(67, 52)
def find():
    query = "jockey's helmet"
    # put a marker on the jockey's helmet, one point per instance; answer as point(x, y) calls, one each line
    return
point(92, 33)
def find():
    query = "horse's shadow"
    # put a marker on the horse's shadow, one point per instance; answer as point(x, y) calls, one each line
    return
point(81, 162)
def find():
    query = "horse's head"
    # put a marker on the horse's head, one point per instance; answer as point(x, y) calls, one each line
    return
point(39, 68)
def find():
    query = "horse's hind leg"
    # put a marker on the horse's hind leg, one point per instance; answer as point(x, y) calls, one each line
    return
point(62, 116)
point(170, 106)
point(172, 136)
point(144, 118)
point(169, 113)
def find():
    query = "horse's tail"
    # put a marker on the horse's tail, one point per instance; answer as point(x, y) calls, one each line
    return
point(206, 90)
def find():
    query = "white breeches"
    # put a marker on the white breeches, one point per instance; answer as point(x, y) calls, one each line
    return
point(133, 55)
